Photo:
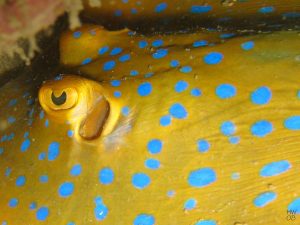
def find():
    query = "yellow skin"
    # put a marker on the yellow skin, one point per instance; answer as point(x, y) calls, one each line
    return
point(272, 62)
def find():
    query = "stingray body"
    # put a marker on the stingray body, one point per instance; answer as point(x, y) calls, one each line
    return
point(206, 132)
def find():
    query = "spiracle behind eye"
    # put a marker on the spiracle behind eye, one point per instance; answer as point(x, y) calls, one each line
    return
point(60, 99)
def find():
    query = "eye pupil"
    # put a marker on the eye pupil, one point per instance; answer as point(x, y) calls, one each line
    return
point(60, 99)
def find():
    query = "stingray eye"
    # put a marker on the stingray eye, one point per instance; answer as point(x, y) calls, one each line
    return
point(62, 99)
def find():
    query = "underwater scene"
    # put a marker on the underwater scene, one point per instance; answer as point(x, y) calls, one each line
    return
point(150, 112)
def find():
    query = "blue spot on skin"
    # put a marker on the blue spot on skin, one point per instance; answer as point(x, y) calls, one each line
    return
point(86, 61)
point(21, 180)
point(44, 179)
point(125, 111)
point(42, 115)
point(11, 119)
point(32, 205)
point(77, 34)
point(154, 146)
point(291, 15)
point(109, 65)
point(185, 69)
point(227, 35)
point(247, 45)
point(181, 86)
point(53, 151)
point(115, 83)
point(203, 145)
point(140, 180)
point(100, 211)
point(1, 151)
point(160, 53)
point(190, 204)
point(124, 58)
point(134, 73)
point(261, 128)
point(234, 140)
point(76, 170)
point(275, 168)
point(157, 43)
point(213, 58)
point(196, 92)
point(117, 94)
point(292, 123)
point(161, 7)
point(152, 164)
point(200, 9)
point(42, 213)
point(66, 189)
point(7, 172)
point(228, 128)
point(143, 44)
point(12, 102)
point(225, 91)
point(174, 63)
point(261, 96)
point(106, 176)
point(165, 120)
point(42, 156)
point(202, 177)
point(13, 202)
point(206, 222)
point(200, 43)
point(235, 176)
point(25, 145)
point(145, 89)
point(267, 9)
point(178, 111)
point(264, 198)
point(103, 50)
point(116, 51)
point(70, 133)
point(71, 223)
point(144, 219)
point(47, 123)
point(118, 13)
point(171, 193)
point(295, 206)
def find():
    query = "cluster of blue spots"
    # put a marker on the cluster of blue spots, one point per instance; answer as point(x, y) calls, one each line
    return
point(44, 178)
point(200, 43)
point(152, 164)
point(264, 198)
point(145, 89)
point(178, 111)
point(275, 168)
point(140, 180)
point(11, 119)
point(165, 120)
point(117, 94)
point(109, 65)
point(203, 145)
point(144, 219)
point(206, 222)
point(157, 43)
point(116, 51)
point(13, 202)
point(295, 206)
point(66, 189)
point(106, 176)
point(25, 145)
point(196, 92)
point(198, 9)
point(70, 133)
point(190, 204)
point(161, 7)
point(125, 111)
point(103, 50)
point(124, 58)
point(174, 63)
point(261, 96)
point(160, 53)
point(76, 170)
point(32, 205)
point(20, 181)
point(292, 123)
point(186, 69)
point(143, 44)
point(201, 177)
point(53, 151)
point(115, 83)
point(247, 45)
point(213, 58)
point(154, 146)
point(86, 61)
point(77, 34)
point(266, 9)
point(181, 86)
point(42, 213)
point(101, 209)
point(261, 128)
point(134, 73)
point(224, 91)
point(228, 128)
